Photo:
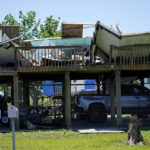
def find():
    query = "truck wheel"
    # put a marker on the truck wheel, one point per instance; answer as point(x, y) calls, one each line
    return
point(32, 110)
point(97, 113)
point(105, 117)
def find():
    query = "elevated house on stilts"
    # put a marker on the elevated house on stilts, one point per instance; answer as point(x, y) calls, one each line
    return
point(109, 55)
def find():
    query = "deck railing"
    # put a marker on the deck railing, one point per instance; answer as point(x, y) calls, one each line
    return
point(131, 56)
point(125, 57)
point(54, 56)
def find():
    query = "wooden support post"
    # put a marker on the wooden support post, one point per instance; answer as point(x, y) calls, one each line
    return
point(107, 84)
point(142, 82)
point(26, 96)
point(104, 87)
point(20, 93)
point(63, 97)
point(110, 56)
point(16, 97)
point(112, 98)
point(12, 93)
point(67, 92)
point(35, 98)
point(54, 99)
point(98, 85)
point(93, 53)
point(118, 98)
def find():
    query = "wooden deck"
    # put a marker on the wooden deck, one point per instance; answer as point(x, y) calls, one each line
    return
point(52, 56)
point(56, 60)
point(52, 62)
point(89, 68)
point(131, 57)
point(73, 58)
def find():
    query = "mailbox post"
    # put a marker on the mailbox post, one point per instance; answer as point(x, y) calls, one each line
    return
point(13, 114)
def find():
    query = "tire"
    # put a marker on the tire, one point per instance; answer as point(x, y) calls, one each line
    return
point(5, 120)
point(33, 115)
point(97, 113)
point(33, 110)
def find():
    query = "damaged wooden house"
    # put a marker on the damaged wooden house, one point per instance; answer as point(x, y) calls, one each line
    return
point(109, 55)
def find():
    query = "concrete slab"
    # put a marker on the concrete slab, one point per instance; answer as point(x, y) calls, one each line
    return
point(100, 130)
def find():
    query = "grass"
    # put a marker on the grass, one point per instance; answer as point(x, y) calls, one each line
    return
point(69, 140)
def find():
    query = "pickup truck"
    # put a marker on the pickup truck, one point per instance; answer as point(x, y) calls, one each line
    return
point(134, 100)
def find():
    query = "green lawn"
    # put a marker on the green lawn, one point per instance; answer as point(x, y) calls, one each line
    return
point(69, 140)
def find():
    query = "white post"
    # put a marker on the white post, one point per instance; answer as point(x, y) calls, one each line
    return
point(13, 132)
point(13, 114)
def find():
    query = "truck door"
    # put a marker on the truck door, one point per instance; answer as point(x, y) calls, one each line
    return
point(129, 99)
point(143, 96)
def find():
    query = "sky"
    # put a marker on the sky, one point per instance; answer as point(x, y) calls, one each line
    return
point(132, 15)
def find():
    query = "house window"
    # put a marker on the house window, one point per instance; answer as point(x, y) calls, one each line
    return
point(0, 35)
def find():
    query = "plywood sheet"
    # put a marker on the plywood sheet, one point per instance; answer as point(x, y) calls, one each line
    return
point(100, 130)
point(11, 31)
point(72, 30)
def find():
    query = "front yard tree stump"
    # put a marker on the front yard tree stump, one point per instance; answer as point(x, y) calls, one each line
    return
point(134, 132)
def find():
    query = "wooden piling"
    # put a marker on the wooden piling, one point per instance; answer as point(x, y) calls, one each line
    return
point(16, 98)
point(118, 98)
point(26, 96)
point(67, 96)
point(112, 99)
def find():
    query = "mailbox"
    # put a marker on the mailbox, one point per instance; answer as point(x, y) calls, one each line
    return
point(12, 112)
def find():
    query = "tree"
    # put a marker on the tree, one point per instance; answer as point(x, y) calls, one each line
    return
point(29, 25)
point(9, 20)
point(31, 28)
point(134, 132)
point(49, 28)
point(6, 90)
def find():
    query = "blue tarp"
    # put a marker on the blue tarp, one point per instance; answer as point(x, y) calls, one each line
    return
point(89, 87)
point(48, 89)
